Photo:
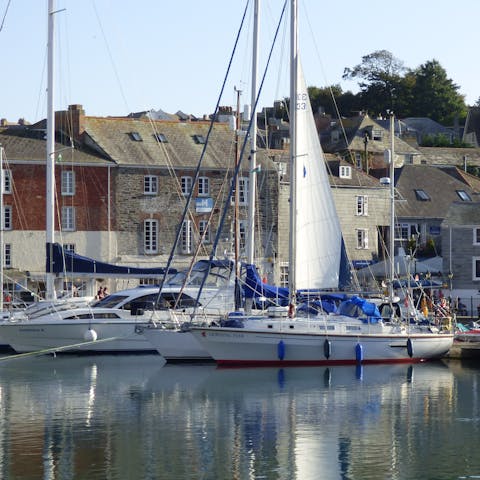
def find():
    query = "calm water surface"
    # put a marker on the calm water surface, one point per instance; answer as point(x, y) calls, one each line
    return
point(130, 417)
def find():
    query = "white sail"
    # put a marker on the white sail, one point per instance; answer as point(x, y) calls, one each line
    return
point(318, 235)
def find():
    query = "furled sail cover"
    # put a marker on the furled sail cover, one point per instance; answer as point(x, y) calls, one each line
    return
point(318, 241)
point(66, 261)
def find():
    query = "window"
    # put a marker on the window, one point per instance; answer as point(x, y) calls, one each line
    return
point(7, 181)
point(135, 136)
point(7, 217)
point(68, 219)
point(7, 257)
point(284, 274)
point(421, 195)
point(203, 228)
point(476, 268)
point(186, 239)
point(345, 171)
point(160, 137)
point(476, 236)
point(377, 135)
point(203, 186)
point(68, 182)
point(362, 238)
point(200, 139)
point(150, 236)
point(243, 187)
point(69, 247)
point(150, 184)
point(242, 224)
point(186, 185)
point(464, 195)
point(358, 160)
point(362, 205)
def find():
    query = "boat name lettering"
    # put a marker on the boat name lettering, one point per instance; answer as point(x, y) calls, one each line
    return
point(226, 334)
point(30, 329)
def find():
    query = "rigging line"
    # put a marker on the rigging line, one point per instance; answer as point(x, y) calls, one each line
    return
point(111, 57)
point(5, 15)
point(197, 171)
point(239, 163)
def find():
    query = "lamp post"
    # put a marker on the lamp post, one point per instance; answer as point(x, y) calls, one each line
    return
point(450, 276)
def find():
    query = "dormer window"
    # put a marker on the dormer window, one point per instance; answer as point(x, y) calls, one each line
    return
point(136, 136)
point(377, 135)
point(422, 195)
point(160, 137)
point(464, 196)
point(345, 171)
point(200, 139)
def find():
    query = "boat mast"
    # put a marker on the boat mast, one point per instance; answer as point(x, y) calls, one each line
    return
point(253, 142)
point(392, 205)
point(50, 181)
point(293, 150)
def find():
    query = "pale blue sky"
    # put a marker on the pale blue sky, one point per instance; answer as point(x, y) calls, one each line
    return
point(117, 56)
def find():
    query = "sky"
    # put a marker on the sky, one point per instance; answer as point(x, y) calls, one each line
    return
point(115, 57)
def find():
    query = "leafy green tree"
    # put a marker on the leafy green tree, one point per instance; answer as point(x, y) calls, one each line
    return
point(435, 95)
point(380, 74)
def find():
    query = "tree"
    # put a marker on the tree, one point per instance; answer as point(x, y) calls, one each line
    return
point(381, 75)
point(435, 95)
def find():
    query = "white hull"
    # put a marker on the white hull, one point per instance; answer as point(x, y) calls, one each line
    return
point(175, 345)
point(69, 336)
point(237, 346)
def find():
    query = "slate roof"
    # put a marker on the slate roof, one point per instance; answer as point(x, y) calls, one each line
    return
point(463, 213)
point(355, 129)
point(28, 145)
point(440, 187)
point(359, 177)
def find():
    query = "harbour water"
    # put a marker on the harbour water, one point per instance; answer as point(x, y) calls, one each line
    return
point(131, 417)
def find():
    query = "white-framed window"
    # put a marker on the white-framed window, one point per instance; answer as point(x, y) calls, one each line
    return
point(150, 236)
point(68, 219)
point(7, 255)
point(243, 187)
point(7, 217)
point(476, 236)
point(7, 181)
point(284, 274)
point(377, 134)
point(475, 268)
point(187, 183)
point(203, 186)
point(407, 231)
point(69, 247)
point(345, 171)
point(68, 182)
point(186, 238)
point(362, 238)
point(150, 184)
point(362, 205)
point(204, 228)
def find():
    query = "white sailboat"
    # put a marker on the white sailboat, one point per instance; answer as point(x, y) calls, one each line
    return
point(354, 334)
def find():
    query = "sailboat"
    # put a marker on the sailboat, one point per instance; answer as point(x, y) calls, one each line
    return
point(307, 333)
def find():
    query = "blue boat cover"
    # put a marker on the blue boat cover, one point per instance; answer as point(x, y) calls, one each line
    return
point(60, 260)
point(255, 288)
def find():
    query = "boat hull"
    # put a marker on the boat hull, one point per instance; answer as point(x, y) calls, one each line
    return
point(75, 336)
point(248, 347)
point(176, 345)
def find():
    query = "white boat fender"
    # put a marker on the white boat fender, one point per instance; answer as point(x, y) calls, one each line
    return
point(410, 347)
point(359, 352)
point(281, 350)
point(327, 348)
point(90, 335)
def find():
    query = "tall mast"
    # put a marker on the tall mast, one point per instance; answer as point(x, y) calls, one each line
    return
point(392, 205)
point(253, 143)
point(293, 148)
point(50, 181)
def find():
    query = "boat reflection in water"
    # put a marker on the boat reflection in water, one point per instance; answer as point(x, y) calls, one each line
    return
point(124, 417)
